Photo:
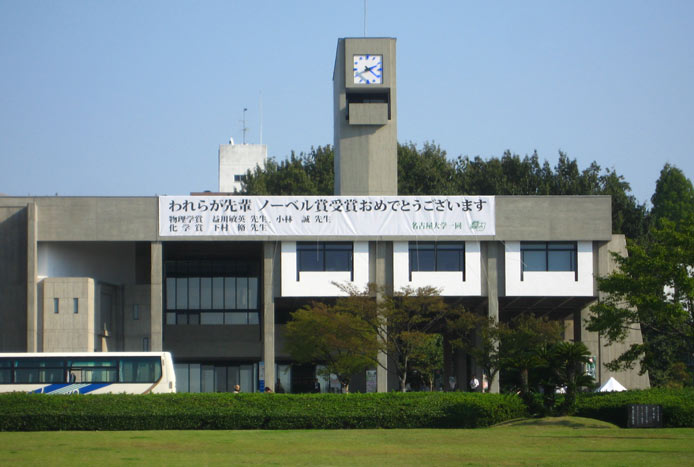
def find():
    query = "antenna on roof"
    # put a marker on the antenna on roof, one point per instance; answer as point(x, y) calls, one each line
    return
point(364, 18)
point(244, 129)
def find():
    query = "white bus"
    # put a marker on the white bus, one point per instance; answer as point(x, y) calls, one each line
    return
point(87, 372)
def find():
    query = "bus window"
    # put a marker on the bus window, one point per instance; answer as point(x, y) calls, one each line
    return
point(140, 371)
point(94, 371)
point(5, 371)
point(39, 371)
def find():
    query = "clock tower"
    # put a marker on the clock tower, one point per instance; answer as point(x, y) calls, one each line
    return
point(365, 117)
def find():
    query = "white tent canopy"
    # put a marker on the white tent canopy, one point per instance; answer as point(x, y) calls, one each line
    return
point(612, 385)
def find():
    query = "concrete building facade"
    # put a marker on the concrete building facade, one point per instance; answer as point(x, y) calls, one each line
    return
point(213, 278)
point(95, 274)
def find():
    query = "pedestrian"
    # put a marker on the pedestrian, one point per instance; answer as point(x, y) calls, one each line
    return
point(474, 383)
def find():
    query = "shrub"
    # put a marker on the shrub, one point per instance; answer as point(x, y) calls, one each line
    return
point(33, 412)
point(678, 405)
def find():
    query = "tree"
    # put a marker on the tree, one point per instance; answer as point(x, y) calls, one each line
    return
point(521, 344)
point(629, 217)
point(367, 322)
point(424, 172)
point(653, 287)
point(403, 321)
point(341, 341)
point(427, 358)
point(568, 361)
point(478, 336)
point(306, 174)
point(673, 198)
point(428, 171)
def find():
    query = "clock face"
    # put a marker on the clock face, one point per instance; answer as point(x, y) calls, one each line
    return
point(368, 69)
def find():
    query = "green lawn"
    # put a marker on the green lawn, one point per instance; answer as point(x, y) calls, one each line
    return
point(565, 441)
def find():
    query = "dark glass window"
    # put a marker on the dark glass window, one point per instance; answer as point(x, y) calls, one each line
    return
point(437, 256)
point(5, 371)
point(324, 256)
point(206, 292)
point(549, 256)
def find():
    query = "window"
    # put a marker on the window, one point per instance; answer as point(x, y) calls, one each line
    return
point(136, 312)
point(437, 256)
point(56, 305)
point(216, 377)
point(75, 305)
point(139, 370)
point(324, 256)
point(239, 178)
point(212, 292)
point(548, 256)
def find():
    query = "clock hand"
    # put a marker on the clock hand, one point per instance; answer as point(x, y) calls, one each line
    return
point(371, 70)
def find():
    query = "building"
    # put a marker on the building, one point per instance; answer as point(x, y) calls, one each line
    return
point(235, 160)
point(213, 278)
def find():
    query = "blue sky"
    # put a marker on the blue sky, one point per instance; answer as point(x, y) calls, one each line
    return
point(134, 97)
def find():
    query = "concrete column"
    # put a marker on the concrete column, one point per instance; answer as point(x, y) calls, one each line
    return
point(493, 253)
point(270, 258)
point(156, 297)
point(382, 276)
point(34, 334)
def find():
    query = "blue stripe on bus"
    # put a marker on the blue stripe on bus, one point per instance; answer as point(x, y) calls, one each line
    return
point(71, 388)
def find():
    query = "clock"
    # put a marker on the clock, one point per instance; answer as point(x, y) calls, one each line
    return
point(368, 69)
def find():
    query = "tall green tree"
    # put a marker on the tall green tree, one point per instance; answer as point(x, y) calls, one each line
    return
point(629, 217)
point(673, 198)
point(653, 288)
point(428, 171)
point(425, 171)
point(521, 342)
point(309, 173)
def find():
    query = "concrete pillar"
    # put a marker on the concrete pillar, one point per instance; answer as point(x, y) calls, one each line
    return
point(493, 253)
point(156, 297)
point(34, 338)
point(270, 261)
point(382, 276)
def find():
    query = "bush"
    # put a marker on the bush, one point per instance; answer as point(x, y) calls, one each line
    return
point(38, 412)
point(678, 405)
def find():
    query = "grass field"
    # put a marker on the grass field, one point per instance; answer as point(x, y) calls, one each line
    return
point(563, 441)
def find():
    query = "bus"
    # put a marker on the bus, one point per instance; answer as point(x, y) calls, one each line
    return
point(87, 372)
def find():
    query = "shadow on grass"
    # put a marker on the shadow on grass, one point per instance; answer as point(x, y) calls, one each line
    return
point(566, 422)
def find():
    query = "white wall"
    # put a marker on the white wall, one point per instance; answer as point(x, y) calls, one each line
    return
point(318, 283)
point(236, 159)
point(546, 283)
point(112, 262)
point(449, 282)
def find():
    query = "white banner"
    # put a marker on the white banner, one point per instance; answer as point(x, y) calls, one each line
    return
point(324, 216)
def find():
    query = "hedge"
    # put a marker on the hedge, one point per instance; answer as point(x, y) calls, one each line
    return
point(678, 405)
point(40, 412)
